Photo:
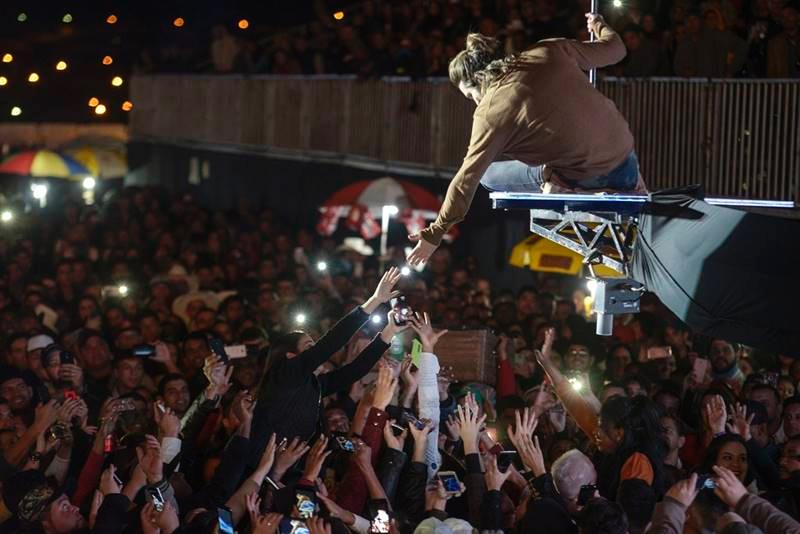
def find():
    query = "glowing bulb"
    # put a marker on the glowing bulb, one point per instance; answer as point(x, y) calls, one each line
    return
point(123, 289)
point(127, 105)
point(108, 60)
point(66, 19)
point(16, 111)
point(112, 19)
point(244, 24)
point(3, 80)
point(339, 15)
point(89, 183)
point(61, 65)
point(100, 109)
point(405, 271)
point(376, 319)
point(300, 318)
point(6, 216)
point(22, 17)
point(93, 102)
point(33, 77)
point(7, 58)
point(39, 191)
point(178, 22)
point(116, 81)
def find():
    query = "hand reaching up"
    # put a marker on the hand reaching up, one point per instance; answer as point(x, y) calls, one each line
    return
point(422, 326)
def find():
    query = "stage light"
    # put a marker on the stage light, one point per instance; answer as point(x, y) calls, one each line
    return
point(89, 183)
point(100, 109)
point(16, 111)
point(116, 81)
point(108, 60)
point(22, 17)
point(93, 102)
point(405, 271)
point(300, 319)
point(61, 65)
point(123, 290)
point(7, 58)
point(66, 19)
point(112, 19)
point(127, 105)
point(3, 80)
point(339, 15)
point(6, 216)
point(33, 77)
point(178, 22)
point(322, 266)
point(376, 319)
point(244, 24)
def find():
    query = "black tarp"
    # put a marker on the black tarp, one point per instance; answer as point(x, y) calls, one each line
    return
point(726, 273)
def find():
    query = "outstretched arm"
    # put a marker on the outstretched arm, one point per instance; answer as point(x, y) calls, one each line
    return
point(607, 50)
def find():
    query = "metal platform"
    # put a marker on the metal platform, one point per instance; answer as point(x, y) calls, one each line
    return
point(600, 227)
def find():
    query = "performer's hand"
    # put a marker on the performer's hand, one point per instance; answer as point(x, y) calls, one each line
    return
point(422, 252)
point(592, 21)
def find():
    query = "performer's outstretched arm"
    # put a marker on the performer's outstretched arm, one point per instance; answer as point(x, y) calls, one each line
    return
point(607, 50)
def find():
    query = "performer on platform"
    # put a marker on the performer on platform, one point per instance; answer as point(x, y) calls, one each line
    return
point(539, 125)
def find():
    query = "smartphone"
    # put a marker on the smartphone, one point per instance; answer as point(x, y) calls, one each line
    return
point(700, 368)
point(586, 492)
point(225, 520)
point(144, 351)
point(156, 498)
point(402, 310)
point(117, 480)
point(450, 482)
point(272, 483)
point(344, 444)
point(306, 503)
point(397, 430)
point(70, 394)
point(126, 405)
point(504, 460)
point(705, 481)
point(658, 353)
point(292, 526)
point(217, 346)
point(66, 357)
point(234, 352)
point(408, 418)
point(380, 523)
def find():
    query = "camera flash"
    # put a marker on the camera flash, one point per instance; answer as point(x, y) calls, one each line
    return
point(376, 319)
point(322, 266)
point(405, 271)
point(123, 290)
point(300, 318)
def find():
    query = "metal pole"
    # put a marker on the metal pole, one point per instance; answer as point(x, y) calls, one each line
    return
point(592, 38)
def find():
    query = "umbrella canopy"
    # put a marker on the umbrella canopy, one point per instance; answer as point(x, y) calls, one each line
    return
point(543, 255)
point(43, 164)
point(102, 162)
point(374, 194)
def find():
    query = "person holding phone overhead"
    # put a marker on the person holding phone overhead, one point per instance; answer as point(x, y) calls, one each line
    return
point(289, 397)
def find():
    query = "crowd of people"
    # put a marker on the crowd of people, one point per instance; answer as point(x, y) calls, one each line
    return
point(713, 38)
point(169, 368)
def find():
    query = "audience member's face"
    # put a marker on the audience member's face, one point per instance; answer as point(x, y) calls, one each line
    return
point(634, 388)
point(17, 393)
point(722, 356)
point(632, 40)
point(246, 372)
point(195, 352)
point(612, 391)
point(63, 517)
point(129, 373)
point(95, 354)
point(18, 353)
point(790, 458)
point(526, 303)
point(336, 421)
point(620, 359)
point(578, 358)
point(786, 388)
point(791, 420)
point(760, 434)
point(607, 438)
point(767, 398)
point(53, 365)
point(176, 396)
point(733, 456)
point(668, 402)
point(671, 434)
point(151, 329)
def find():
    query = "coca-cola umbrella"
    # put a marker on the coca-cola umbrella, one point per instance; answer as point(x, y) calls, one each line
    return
point(362, 203)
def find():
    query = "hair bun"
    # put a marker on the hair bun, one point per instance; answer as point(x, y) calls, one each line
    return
point(482, 45)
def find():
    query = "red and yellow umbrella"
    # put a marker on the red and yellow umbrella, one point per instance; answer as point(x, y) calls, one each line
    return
point(43, 164)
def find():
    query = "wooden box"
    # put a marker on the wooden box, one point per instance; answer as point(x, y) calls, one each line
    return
point(471, 354)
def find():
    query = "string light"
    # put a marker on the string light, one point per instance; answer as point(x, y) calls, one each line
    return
point(127, 105)
point(16, 111)
point(244, 24)
point(93, 102)
point(7, 58)
point(3, 80)
point(99, 109)
point(116, 81)
point(339, 15)
point(66, 19)
point(22, 17)
point(33, 77)
point(61, 65)
point(108, 60)
point(178, 22)
point(112, 19)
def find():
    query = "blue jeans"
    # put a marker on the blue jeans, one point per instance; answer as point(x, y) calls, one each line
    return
point(516, 177)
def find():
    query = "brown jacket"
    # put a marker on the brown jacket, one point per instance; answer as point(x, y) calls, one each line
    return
point(543, 111)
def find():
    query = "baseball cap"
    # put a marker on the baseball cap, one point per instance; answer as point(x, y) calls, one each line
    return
point(39, 341)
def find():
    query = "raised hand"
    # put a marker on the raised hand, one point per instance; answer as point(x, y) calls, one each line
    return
point(684, 491)
point(218, 375)
point(715, 415)
point(470, 425)
point(317, 525)
point(422, 326)
point(316, 458)
point(243, 407)
point(729, 488)
point(385, 289)
point(392, 328)
point(526, 444)
point(392, 441)
point(740, 422)
point(287, 456)
point(69, 372)
point(268, 458)
point(266, 524)
point(169, 425)
point(363, 454)
point(385, 387)
point(108, 482)
point(45, 415)
point(149, 454)
point(494, 477)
